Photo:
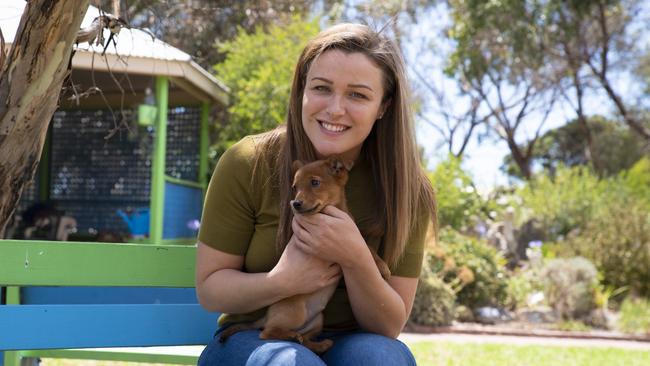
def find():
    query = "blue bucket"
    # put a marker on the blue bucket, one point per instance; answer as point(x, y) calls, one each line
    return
point(137, 221)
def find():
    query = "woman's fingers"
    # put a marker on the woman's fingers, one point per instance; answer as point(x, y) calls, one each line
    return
point(303, 246)
point(299, 231)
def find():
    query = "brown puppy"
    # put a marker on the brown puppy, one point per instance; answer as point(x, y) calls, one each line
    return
point(300, 317)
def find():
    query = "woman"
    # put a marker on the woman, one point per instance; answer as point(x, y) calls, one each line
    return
point(349, 97)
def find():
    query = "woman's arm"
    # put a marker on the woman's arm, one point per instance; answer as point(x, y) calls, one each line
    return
point(222, 286)
point(379, 306)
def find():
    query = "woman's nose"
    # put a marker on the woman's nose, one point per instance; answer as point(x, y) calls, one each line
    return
point(335, 107)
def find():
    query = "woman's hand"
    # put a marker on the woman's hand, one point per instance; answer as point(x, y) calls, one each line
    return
point(330, 235)
point(300, 273)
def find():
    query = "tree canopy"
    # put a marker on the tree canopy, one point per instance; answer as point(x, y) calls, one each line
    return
point(258, 69)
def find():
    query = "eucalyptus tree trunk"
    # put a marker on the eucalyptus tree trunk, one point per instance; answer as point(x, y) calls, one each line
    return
point(30, 83)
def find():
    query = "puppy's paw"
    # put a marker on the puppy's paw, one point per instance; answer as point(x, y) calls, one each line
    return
point(320, 347)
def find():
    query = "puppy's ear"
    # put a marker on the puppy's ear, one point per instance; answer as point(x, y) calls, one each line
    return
point(348, 164)
point(336, 165)
point(297, 164)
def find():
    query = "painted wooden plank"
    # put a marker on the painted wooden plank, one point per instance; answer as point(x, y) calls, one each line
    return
point(43, 263)
point(84, 326)
point(43, 295)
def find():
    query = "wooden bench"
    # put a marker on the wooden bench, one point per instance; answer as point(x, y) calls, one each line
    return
point(81, 300)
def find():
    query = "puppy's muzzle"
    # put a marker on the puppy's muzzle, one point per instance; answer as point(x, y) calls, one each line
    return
point(298, 208)
point(296, 204)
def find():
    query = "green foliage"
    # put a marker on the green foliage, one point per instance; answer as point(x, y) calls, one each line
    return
point(604, 220)
point(493, 36)
point(635, 316)
point(458, 201)
point(520, 286)
point(569, 285)
point(434, 301)
point(637, 180)
point(614, 147)
point(487, 284)
point(258, 69)
point(617, 241)
point(563, 202)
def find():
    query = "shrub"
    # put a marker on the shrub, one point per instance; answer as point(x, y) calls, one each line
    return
point(434, 301)
point(258, 69)
point(459, 205)
point(520, 286)
point(617, 241)
point(569, 285)
point(635, 316)
point(637, 181)
point(472, 267)
point(563, 202)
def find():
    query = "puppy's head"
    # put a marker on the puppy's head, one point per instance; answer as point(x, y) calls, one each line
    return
point(318, 184)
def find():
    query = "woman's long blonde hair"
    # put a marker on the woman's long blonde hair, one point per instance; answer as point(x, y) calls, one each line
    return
point(405, 190)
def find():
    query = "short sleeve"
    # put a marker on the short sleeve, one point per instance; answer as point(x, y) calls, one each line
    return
point(410, 264)
point(228, 219)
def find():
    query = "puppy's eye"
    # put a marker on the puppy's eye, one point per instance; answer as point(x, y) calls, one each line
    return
point(315, 183)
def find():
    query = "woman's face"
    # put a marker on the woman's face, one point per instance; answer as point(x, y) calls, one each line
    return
point(341, 102)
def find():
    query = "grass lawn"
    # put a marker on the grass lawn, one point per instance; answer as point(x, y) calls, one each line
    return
point(469, 354)
point(480, 354)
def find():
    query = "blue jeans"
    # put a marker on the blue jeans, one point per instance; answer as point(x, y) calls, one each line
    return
point(350, 348)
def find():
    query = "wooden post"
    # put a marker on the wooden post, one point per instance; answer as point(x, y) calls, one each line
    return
point(157, 204)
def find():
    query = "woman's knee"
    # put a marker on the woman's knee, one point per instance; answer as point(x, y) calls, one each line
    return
point(368, 349)
point(245, 348)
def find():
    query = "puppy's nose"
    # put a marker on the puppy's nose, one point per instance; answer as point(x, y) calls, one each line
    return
point(296, 204)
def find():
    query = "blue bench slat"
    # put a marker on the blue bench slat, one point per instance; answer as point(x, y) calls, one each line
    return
point(84, 326)
point(39, 295)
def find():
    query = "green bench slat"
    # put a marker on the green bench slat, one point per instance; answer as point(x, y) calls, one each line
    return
point(43, 263)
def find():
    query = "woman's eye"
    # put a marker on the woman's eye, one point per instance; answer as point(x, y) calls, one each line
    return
point(358, 95)
point(315, 183)
point(321, 88)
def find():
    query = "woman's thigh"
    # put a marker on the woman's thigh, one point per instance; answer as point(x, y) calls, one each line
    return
point(247, 349)
point(368, 349)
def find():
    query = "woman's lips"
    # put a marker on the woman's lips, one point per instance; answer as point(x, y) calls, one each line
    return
point(332, 127)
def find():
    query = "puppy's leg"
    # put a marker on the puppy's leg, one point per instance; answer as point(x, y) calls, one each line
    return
point(312, 330)
point(284, 317)
point(281, 334)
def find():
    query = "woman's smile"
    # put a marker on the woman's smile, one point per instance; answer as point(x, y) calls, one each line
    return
point(332, 127)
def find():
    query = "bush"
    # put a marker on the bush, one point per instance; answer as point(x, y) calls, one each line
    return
point(617, 241)
point(459, 205)
point(569, 285)
point(472, 267)
point(635, 316)
point(520, 286)
point(564, 202)
point(637, 181)
point(258, 69)
point(434, 301)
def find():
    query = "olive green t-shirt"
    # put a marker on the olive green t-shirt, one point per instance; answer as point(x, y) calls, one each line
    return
point(241, 215)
